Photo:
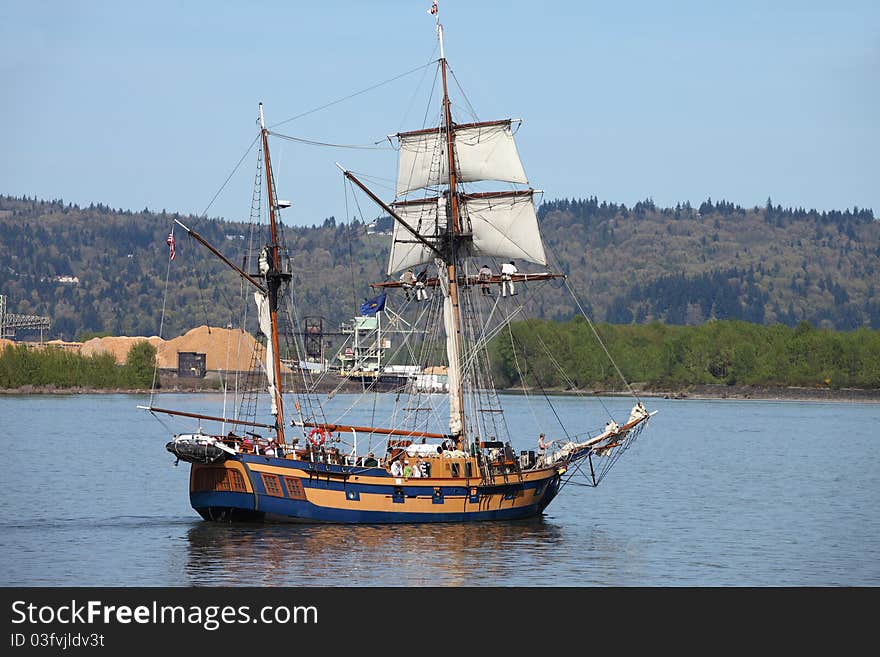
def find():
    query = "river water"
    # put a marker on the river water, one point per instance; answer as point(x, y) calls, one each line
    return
point(714, 493)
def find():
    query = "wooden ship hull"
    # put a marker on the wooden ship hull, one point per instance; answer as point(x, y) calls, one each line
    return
point(269, 489)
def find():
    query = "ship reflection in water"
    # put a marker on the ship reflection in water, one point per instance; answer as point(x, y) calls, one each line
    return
point(516, 553)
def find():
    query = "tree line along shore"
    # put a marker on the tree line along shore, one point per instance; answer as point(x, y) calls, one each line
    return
point(664, 357)
point(717, 359)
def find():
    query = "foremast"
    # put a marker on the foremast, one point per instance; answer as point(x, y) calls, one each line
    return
point(266, 297)
point(268, 303)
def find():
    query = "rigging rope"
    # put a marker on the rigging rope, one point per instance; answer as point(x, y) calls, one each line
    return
point(565, 375)
point(522, 377)
point(379, 258)
point(514, 342)
point(350, 254)
point(601, 343)
point(357, 93)
point(161, 325)
point(437, 152)
point(202, 298)
point(595, 332)
point(477, 363)
point(232, 173)
point(376, 181)
point(416, 91)
point(243, 399)
point(624, 445)
point(160, 421)
point(373, 146)
point(463, 94)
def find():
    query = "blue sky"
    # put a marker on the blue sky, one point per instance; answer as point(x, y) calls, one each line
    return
point(152, 104)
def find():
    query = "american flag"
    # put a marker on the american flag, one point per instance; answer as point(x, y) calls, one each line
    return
point(170, 243)
point(433, 9)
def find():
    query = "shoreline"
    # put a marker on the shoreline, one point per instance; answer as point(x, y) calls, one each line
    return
point(781, 393)
point(720, 391)
point(698, 392)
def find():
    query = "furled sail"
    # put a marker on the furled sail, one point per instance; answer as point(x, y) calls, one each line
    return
point(266, 328)
point(454, 358)
point(502, 225)
point(483, 151)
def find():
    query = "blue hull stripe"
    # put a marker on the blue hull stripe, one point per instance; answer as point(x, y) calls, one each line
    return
point(281, 509)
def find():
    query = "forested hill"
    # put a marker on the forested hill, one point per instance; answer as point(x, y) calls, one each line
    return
point(99, 269)
point(684, 265)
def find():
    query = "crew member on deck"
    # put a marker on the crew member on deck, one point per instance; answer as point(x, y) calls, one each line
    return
point(543, 444)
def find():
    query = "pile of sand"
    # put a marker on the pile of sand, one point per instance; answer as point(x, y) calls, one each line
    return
point(119, 347)
point(54, 344)
point(224, 349)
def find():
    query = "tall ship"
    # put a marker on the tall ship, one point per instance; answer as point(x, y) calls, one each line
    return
point(446, 451)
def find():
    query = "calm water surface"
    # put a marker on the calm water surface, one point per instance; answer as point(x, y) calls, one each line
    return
point(714, 493)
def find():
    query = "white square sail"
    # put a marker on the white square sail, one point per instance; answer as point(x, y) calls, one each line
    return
point(484, 151)
point(428, 218)
point(502, 225)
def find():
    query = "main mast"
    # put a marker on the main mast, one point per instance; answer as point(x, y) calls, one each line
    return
point(443, 229)
point(452, 315)
point(273, 282)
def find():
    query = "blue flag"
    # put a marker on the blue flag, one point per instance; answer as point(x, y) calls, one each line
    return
point(374, 305)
